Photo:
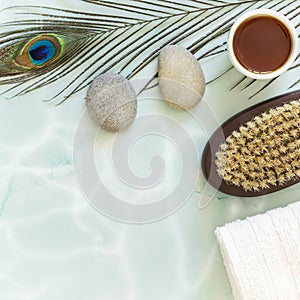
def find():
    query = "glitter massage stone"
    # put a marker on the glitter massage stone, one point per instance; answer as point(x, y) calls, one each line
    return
point(181, 80)
point(111, 102)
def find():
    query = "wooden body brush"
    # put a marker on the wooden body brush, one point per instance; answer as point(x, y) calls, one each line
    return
point(257, 151)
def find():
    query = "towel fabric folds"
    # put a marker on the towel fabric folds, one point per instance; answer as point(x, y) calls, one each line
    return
point(262, 255)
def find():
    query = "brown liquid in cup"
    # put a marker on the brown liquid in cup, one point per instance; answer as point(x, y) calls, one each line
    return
point(262, 44)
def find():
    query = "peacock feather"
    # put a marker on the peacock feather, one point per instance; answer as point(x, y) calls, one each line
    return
point(36, 53)
point(40, 45)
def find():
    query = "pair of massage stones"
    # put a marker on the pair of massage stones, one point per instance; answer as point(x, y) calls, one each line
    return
point(254, 153)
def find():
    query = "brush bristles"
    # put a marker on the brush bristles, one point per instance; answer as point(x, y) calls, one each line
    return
point(264, 152)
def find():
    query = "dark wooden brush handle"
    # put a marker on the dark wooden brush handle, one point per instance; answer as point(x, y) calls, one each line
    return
point(212, 147)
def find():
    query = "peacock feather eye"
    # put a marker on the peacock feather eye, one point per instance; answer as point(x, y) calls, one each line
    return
point(39, 52)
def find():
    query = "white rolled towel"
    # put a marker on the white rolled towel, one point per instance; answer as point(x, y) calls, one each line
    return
point(262, 255)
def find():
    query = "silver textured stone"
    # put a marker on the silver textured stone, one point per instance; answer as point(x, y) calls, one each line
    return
point(111, 102)
point(181, 79)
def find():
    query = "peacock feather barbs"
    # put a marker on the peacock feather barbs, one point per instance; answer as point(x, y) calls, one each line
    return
point(121, 36)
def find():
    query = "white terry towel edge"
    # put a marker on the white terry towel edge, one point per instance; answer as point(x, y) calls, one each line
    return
point(262, 254)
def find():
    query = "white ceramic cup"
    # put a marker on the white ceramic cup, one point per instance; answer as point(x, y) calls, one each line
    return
point(294, 40)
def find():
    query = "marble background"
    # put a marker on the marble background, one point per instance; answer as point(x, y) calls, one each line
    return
point(55, 245)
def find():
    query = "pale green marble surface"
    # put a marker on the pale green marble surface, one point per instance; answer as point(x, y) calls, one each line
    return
point(55, 245)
